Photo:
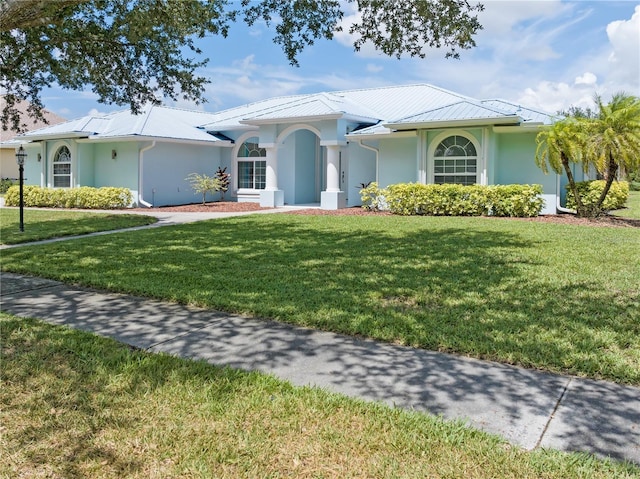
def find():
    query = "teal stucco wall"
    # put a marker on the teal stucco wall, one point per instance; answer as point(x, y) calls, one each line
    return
point(397, 161)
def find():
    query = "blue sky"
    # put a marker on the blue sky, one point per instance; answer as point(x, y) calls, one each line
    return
point(545, 54)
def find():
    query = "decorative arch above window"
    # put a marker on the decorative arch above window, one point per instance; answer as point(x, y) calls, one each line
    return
point(455, 160)
point(62, 168)
point(252, 173)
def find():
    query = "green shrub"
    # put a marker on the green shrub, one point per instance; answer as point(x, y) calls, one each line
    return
point(520, 201)
point(83, 197)
point(590, 191)
point(5, 184)
point(370, 196)
point(455, 200)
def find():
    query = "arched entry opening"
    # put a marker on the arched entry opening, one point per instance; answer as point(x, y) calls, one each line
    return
point(301, 164)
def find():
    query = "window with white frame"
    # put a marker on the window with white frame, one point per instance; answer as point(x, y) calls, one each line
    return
point(252, 171)
point(455, 161)
point(62, 168)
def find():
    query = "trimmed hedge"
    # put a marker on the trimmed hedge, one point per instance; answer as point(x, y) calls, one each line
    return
point(107, 198)
point(590, 191)
point(455, 200)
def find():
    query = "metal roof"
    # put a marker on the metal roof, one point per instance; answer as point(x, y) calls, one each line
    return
point(153, 122)
point(384, 108)
point(527, 114)
point(461, 112)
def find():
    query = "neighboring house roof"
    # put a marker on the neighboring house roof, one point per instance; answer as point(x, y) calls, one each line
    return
point(7, 136)
point(154, 122)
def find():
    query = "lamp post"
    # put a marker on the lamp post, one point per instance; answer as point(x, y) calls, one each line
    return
point(21, 155)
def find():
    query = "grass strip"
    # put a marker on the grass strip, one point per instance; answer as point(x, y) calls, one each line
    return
point(47, 224)
point(563, 298)
point(632, 207)
point(77, 405)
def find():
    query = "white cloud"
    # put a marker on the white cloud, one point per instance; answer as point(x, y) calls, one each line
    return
point(96, 112)
point(372, 68)
point(624, 59)
point(616, 67)
point(555, 96)
point(587, 79)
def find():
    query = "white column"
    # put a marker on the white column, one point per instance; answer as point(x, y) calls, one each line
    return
point(271, 196)
point(272, 169)
point(333, 168)
point(333, 198)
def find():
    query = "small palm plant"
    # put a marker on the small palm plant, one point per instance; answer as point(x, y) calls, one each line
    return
point(204, 184)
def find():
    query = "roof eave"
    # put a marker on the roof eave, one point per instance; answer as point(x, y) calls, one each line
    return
point(184, 141)
point(512, 120)
point(57, 136)
point(307, 118)
point(290, 119)
point(382, 134)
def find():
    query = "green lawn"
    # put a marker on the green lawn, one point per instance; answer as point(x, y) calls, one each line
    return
point(76, 405)
point(562, 298)
point(46, 224)
point(632, 208)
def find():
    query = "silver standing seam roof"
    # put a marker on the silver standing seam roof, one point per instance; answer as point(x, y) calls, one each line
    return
point(379, 110)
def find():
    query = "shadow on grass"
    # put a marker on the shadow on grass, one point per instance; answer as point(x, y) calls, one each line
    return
point(470, 291)
point(41, 225)
point(63, 391)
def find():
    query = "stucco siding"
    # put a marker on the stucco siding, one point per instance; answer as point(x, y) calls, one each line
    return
point(397, 161)
point(515, 162)
point(86, 165)
point(32, 168)
point(305, 167)
point(121, 171)
point(362, 169)
point(8, 165)
point(166, 167)
point(286, 168)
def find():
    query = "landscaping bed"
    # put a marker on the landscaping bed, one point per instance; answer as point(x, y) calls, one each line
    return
point(232, 206)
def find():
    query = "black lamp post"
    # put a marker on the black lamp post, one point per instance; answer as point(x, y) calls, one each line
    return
point(21, 155)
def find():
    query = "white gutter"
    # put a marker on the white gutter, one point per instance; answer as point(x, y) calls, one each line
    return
point(375, 150)
point(140, 170)
point(560, 208)
point(513, 120)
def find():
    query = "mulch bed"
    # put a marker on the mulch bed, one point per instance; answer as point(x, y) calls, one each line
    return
point(231, 206)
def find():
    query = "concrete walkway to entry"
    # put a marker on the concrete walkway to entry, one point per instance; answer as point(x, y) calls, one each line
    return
point(529, 408)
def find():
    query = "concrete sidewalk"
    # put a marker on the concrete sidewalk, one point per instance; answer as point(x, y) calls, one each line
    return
point(529, 408)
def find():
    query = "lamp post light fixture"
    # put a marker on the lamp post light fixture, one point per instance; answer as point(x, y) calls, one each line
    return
point(21, 155)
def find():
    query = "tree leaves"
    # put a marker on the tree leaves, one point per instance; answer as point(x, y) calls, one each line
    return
point(131, 52)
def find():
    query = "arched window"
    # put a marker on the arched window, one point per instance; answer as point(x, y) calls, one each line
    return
point(455, 161)
point(251, 170)
point(62, 168)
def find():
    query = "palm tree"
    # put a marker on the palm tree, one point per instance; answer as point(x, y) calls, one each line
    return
point(558, 148)
point(613, 139)
point(608, 142)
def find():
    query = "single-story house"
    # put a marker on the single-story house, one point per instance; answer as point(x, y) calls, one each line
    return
point(301, 149)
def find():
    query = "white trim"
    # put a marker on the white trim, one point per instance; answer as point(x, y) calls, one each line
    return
point(422, 157)
point(382, 134)
point(73, 151)
point(235, 191)
point(127, 138)
point(293, 128)
point(512, 120)
point(484, 158)
point(441, 137)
